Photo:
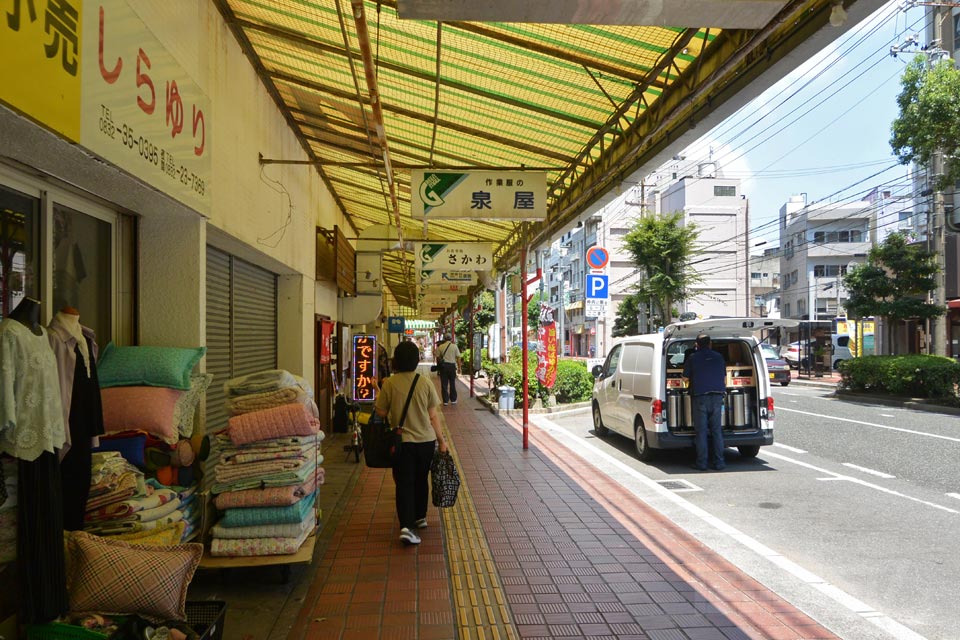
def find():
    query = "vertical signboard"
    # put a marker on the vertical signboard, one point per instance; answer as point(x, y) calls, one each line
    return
point(364, 368)
point(326, 332)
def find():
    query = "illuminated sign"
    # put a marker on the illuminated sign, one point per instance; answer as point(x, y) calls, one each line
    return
point(364, 368)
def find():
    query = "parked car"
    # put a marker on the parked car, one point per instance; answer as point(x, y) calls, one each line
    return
point(639, 391)
point(777, 367)
point(797, 356)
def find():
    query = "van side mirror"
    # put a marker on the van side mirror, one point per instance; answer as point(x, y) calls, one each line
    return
point(597, 370)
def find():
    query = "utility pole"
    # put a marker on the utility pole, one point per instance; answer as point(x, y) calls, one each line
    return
point(938, 328)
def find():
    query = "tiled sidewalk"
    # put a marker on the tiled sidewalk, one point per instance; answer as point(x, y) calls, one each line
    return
point(577, 556)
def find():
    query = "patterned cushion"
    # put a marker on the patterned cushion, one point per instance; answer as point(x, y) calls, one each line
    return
point(186, 407)
point(150, 366)
point(115, 577)
point(147, 409)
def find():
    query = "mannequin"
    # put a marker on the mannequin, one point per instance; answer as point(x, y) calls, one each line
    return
point(32, 430)
point(73, 345)
point(27, 313)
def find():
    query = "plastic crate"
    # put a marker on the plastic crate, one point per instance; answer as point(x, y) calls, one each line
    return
point(60, 631)
point(206, 617)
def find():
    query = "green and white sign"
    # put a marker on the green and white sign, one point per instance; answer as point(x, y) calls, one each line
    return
point(433, 276)
point(463, 256)
point(480, 195)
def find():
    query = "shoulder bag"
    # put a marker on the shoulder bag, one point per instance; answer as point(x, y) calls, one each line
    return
point(381, 442)
point(439, 364)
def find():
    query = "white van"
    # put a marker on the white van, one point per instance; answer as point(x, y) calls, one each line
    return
point(639, 391)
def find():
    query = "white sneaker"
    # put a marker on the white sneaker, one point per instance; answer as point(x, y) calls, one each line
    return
point(422, 523)
point(409, 537)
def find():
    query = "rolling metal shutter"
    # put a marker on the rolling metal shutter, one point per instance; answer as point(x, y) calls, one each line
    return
point(241, 326)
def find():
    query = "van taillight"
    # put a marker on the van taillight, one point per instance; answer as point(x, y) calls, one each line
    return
point(657, 410)
point(770, 412)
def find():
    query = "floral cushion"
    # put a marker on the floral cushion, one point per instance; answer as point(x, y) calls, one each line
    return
point(115, 577)
point(150, 366)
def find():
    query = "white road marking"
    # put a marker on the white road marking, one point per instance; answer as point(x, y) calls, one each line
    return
point(788, 447)
point(887, 415)
point(871, 424)
point(873, 472)
point(604, 461)
point(862, 483)
point(954, 495)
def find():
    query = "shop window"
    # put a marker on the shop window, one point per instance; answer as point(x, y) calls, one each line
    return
point(82, 266)
point(19, 248)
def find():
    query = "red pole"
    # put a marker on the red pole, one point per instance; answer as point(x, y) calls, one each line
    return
point(523, 338)
point(473, 346)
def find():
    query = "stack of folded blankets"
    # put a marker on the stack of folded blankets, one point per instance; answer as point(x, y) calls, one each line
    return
point(267, 466)
point(122, 502)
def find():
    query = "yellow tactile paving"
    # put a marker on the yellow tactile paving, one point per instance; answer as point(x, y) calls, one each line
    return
point(480, 605)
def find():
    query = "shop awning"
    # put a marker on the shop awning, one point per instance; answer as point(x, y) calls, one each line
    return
point(574, 306)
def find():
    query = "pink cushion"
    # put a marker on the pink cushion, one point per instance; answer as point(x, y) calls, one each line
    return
point(147, 409)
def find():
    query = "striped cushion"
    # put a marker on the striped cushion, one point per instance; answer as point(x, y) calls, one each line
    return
point(115, 577)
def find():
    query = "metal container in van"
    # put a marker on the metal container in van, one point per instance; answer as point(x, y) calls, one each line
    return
point(639, 390)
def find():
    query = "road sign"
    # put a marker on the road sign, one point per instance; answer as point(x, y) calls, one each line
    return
point(595, 307)
point(597, 286)
point(597, 258)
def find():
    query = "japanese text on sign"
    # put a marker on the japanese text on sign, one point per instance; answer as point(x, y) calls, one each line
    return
point(364, 368)
point(140, 109)
point(517, 195)
point(464, 256)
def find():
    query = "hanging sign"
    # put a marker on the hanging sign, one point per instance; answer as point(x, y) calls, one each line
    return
point(396, 324)
point(464, 256)
point(435, 276)
point(480, 195)
point(476, 352)
point(364, 368)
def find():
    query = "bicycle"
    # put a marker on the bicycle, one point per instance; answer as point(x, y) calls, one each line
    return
point(354, 429)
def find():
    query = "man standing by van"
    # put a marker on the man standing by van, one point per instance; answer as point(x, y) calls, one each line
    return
point(705, 373)
point(448, 357)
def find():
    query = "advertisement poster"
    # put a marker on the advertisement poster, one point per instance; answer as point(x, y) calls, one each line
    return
point(326, 330)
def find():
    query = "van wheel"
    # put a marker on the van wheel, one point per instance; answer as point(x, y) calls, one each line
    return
point(749, 451)
point(644, 452)
point(598, 427)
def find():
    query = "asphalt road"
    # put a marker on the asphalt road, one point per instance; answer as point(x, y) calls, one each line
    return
point(853, 515)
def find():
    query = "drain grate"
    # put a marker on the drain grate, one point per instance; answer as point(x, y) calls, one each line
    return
point(678, 485)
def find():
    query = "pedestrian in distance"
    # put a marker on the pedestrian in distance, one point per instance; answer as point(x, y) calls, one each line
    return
point(421, 435)
point(705, 374)
point(448, 364)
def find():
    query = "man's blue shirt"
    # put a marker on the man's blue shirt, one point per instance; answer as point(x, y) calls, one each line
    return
point(707, 371)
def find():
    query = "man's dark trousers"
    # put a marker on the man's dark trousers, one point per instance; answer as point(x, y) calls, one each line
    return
point(706, 419)
point(448, 382)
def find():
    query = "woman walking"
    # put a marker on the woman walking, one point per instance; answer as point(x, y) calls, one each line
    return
point(421, 434)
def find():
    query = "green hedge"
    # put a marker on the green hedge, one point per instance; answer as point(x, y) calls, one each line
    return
point(574, 383)
point(913, 375)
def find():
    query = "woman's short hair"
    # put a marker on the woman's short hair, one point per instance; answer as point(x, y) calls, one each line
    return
point(406, 357)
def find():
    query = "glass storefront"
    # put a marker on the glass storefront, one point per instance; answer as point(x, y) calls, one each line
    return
point(19, 248)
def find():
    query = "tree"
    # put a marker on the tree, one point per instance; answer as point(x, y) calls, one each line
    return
point(625, 323)
point(663, 246)
point(893, 284)
point(929, 120)
point(482, 319)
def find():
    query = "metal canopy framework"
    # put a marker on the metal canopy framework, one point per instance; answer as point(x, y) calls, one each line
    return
point(371, 96)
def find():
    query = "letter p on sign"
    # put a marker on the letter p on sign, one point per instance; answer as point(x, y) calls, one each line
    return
point(597, 286)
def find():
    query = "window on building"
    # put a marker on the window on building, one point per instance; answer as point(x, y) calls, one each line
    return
point(724, 191)
point(801, 306)
point(786, 310)
point(755, 275)
point(793, 276)
point(856, 235)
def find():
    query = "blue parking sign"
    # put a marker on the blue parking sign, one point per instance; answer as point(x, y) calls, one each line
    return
point(597, 286)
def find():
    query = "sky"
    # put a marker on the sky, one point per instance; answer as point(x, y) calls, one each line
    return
point(823, 130)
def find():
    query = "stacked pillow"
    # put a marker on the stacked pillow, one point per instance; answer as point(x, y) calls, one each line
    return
point(150, 397)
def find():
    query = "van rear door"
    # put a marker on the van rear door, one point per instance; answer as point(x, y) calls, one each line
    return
point(725, 327)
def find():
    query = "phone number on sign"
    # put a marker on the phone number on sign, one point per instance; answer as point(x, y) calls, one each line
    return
point(150, 152)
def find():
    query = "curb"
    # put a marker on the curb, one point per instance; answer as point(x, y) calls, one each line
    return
point(494, 409)
point(918, 404)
